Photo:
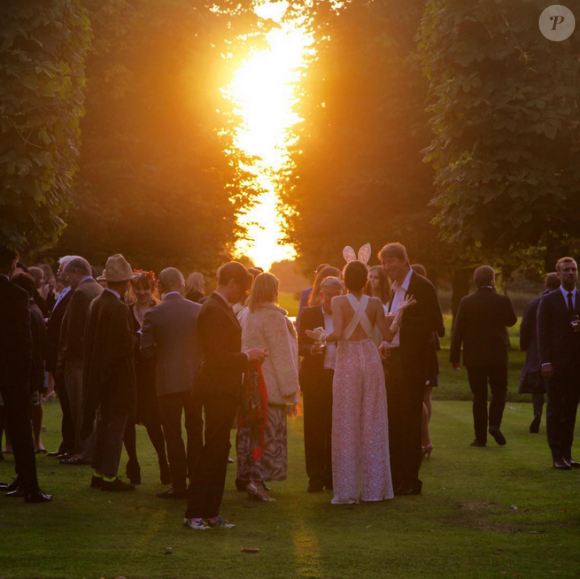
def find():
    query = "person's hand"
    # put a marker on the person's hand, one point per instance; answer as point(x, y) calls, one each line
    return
point(456, 366)
point(547, 371)
point(256, 355)
point(383, 350)
point(315, 334)
point(407, 302)
point(316, 349)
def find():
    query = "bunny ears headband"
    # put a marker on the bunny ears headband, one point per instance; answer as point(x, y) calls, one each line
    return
point(364, 253)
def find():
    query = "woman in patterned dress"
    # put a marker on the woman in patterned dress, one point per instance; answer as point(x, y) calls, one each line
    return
point(266, 325)
point(360, 439)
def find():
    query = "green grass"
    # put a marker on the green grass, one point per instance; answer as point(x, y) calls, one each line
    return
point(462, 527)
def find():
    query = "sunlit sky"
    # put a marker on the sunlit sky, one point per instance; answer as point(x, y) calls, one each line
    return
point(264, 91)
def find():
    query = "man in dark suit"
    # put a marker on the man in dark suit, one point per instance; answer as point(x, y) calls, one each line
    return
point(15, 369)
point(532, 381)
point(316, 375)
point(481, 326)
point(170, 334)
point(53, 327)
point(85, 290)
point(218, 387)
point(559, 343)
point(109, 382)
point(408, 363)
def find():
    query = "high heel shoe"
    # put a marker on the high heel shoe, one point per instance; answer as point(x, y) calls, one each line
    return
point(426, 452)
point(259, 494)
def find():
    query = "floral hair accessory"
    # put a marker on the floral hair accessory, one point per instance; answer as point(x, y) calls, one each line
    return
point(149, 274)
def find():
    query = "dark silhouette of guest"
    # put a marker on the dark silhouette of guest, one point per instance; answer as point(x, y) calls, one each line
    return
point(481, 327)
point(531, 381)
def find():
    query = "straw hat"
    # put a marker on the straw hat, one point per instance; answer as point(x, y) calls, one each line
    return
point(117, 270)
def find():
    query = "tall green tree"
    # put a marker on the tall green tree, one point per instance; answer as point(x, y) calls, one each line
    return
point(359, 174)
point(154, 182)
point(506, 122)
point(42, 52)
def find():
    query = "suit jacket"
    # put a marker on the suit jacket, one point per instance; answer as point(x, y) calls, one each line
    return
point(558, 344)
point(38, 328)
point(220, 337)
point(75, 320)
point(53, 327)
point(304, 297)
point(312, 366)
point(170, 333)
point(108, 374)
point(419, 323)
point(15, 337)
point(531, 381)
point(481, 326)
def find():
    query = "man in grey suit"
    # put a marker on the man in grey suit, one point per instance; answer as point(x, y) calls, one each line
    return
point(170, 333)
point(71, 346)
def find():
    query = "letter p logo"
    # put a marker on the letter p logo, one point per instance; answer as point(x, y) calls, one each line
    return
point(557, 23)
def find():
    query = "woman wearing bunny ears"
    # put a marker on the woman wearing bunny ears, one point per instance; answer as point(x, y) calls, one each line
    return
point(360, 440)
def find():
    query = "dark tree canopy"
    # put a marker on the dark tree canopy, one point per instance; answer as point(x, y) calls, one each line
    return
point(42, 49)
point(359, 172)
point(506, 124)
point(154, 183)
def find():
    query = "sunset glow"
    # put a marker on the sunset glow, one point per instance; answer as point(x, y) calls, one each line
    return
point(264, 91)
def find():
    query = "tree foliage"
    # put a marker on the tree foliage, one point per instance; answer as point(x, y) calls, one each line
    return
point(154, 183)
point(506, 123)
point(359, 173)
point(42, 51)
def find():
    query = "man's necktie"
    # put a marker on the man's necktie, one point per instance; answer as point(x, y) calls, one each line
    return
point(570, 304)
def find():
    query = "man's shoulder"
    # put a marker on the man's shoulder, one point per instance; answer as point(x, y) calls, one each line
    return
point(12, 292)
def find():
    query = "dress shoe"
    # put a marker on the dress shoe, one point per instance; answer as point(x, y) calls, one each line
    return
point(535, 425)
point(404, 491)
point(54, 453)
point(16, 493)
point(13, 485)
point(315, 488)
point(1, 456)
point(561, 464)
point(478, 443)
point(499, 437)
point(37, 497)
point(171, 494)
point(116, 485)
point(572, 463)
point(73, 461)
point(3, 486)
point(96, 482)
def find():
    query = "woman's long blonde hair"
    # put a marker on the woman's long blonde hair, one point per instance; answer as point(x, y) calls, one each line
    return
point(264, 290)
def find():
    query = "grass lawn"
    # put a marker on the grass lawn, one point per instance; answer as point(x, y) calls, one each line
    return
point(463, 526)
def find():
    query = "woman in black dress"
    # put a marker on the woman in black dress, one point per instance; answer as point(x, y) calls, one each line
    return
point(143, 295)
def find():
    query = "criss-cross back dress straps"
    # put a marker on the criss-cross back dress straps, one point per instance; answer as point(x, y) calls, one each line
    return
point(360, 316)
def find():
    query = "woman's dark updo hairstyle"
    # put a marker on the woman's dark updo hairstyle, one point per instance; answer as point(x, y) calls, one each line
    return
point(356, 275)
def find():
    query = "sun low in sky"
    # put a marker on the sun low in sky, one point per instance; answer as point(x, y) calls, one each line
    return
point(264, 92)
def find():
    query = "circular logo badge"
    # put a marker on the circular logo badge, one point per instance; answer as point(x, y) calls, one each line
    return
point(557, 23)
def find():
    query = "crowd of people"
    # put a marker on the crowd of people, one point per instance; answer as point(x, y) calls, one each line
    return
point(126, 347)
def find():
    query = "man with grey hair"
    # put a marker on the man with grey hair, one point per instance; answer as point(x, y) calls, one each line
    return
point(481, 327)
point(84, 290)
point(316, 376)
point(53, 330)
point(170, 333)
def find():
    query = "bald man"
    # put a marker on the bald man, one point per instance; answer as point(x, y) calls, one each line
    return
point(170, 334)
